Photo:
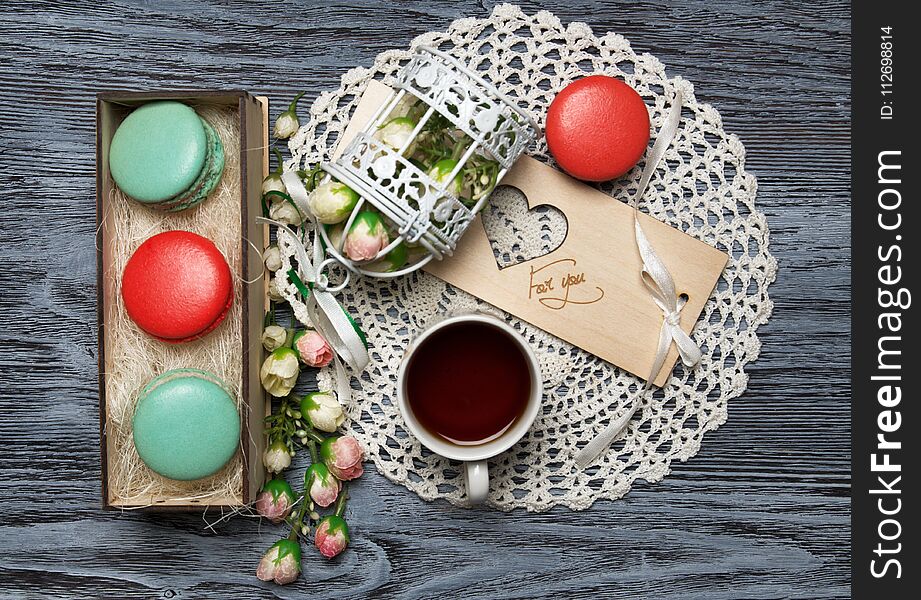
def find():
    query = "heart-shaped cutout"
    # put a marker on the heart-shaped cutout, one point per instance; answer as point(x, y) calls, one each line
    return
point(517, 234)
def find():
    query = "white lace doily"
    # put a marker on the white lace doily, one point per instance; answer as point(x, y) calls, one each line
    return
point(701, 188)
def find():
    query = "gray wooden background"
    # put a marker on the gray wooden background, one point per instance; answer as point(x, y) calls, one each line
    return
point(761, 512)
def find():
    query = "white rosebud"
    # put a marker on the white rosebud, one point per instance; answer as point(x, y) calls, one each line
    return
point(279, 372)
point(273, 337)
point(274, 291)
point(287, 124)
point(323, 411)
point(396, 132)
point(331, 202)
point(283, 211)
point(272, 258)
point(273, 183)
point(440, 172)
point(276, 457)
point(404, 106)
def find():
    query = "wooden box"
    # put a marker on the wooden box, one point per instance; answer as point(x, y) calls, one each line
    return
point(249, 116)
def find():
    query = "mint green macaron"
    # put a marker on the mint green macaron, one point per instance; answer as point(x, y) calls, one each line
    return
point(186, 424)
point(165, 156)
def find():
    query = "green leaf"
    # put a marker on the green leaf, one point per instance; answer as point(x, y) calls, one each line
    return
point(286, 547)
point(277, 487)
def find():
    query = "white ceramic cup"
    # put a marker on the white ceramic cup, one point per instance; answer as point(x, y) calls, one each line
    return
point(475, 456)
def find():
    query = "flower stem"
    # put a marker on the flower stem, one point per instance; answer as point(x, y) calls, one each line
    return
point(460, 147)
point(278, 161)
point(295, 531)
point(298, 523)
point(314, 437)
point(293, 105)
point(312, 447)
point(340, 503)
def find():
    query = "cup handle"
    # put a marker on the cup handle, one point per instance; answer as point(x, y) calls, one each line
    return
point(477, 475)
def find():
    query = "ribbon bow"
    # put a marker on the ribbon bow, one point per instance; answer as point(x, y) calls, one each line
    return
point(661, 287)
point(326, 314)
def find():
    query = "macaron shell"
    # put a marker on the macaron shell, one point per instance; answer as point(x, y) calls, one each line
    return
point(207, 180)
point(597, 128)
point(177, 286)
point(186, 425)
point(158, 151)
point(204, 332)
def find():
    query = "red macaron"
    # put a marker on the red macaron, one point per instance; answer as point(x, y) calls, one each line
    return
point(177, 286)
point(597, 128)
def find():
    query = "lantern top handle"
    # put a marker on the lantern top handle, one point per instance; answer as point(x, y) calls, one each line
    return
point(485, 84)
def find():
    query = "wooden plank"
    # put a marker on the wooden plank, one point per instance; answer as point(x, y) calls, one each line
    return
point(761, 512)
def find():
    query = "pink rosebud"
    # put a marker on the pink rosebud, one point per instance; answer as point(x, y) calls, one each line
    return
point(348, 473)
point(281, 563)
point(332, 536)
point(312, 348)
point(343, 456)
point(366, 237)
point(324, 488)
point(275, 501)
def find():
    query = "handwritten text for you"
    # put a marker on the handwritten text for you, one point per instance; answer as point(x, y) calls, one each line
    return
point(553, 285)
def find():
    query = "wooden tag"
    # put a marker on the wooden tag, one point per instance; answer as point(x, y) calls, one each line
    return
point(588, 291)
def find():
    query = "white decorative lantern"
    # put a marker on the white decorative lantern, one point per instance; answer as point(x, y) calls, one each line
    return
point(427, 208)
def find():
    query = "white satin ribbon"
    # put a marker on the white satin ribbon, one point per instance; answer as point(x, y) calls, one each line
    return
point(661, 287)
point(326, 314)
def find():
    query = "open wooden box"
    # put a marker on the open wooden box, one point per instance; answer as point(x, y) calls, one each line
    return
point(249, 116)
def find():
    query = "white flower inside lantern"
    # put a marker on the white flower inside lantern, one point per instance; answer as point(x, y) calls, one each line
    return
point(406, 188)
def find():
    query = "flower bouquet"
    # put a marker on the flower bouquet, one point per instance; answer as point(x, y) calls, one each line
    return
point(309, 422)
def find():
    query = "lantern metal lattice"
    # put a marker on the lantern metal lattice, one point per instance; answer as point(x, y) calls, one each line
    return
point(425, 213)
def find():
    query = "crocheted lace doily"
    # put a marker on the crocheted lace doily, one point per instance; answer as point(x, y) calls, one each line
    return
point(701, 187)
